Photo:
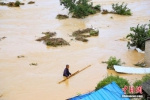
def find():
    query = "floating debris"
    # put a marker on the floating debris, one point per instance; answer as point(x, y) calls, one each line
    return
point(142, 64)
point(12, 4)
point(21, 56)
point(31, 2)
point(80, 34)
point(56, 42)
point(59, 16)
point(21, 3)
point(94, 33)
point(3, 4)
point(52, 41)
point(2, 38)
point(80, 38)
point(34, 64)
point(123, 39)
point(48, 35)
point(105, 11)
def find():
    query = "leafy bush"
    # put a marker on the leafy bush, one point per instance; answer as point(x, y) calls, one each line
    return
point(94, 32)
point(49, 41)
point(120, 81)
point(141, 32)
point(80, 8)
point(121, 9)
point(112, 61)
point(97, 7)
point(17, 3)
point(144, 79)
point(14, 4)
point(137, 83)
point(60, 16)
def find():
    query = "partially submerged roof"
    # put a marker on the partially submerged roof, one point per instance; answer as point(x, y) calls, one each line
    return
point(146, 87)
point(131, 70)
point(109, 92)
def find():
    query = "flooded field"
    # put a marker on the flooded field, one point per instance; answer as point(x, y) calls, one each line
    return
point(22, 26)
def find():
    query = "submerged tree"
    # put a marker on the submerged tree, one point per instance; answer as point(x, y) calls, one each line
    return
point(80, 8)
point(141, 32)
point(119, 80)
point(113, 61)
point(121, 9)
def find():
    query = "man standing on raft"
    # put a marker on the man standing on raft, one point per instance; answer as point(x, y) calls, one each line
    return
point(66, 71)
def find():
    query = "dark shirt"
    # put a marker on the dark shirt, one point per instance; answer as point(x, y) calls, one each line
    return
point(66, 72)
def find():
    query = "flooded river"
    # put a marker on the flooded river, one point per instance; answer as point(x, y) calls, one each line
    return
point(22, 26)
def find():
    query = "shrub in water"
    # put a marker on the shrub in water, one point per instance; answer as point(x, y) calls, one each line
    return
point(17, 3)
point(137, 83)
point(121, 9)
point(140, 33)
point(80, 8)
point(94, 32)
point(112, 61)
point(120, 81)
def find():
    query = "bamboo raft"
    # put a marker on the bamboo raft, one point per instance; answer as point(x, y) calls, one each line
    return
point(74, 74)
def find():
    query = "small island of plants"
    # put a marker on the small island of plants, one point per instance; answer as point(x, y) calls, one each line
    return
point(49, 41)
point(137, 38)
point(80, 8)
point(82, 35)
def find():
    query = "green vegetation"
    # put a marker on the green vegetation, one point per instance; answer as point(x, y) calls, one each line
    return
point(112, 61)
point(14, 4)
point(111, 17)
point(121, 9)
point(80, 8)
point(31, 2)
point(21, 56)
point(56, 42)
point(80, 35)
point(105, 11)
point(120, 81)
point(48, 40)
point(60, 16)
point(137, 83)
point(2, 3)
point(17, 3)
point(94, 33)
point(137, 38)
point(144, 79)
point(34, 64)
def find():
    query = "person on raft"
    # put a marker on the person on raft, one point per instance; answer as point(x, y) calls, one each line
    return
point(66, 71)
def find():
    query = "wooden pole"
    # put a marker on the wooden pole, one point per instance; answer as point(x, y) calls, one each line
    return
point(73, 74)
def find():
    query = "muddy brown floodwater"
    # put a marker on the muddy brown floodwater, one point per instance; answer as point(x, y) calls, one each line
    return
point(22, 26)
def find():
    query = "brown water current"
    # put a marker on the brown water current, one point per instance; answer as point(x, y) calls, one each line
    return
point(22, 26)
